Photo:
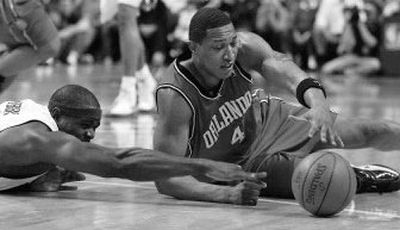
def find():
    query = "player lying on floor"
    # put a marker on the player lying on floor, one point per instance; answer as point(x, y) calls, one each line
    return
point(34, 140)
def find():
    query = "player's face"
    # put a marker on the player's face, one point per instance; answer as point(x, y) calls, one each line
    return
point(82, 128)
point(218, 50)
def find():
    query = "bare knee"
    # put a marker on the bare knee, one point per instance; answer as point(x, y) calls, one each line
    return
point(49, 50)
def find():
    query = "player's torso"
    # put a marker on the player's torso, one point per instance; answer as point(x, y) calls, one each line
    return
point(222, 125)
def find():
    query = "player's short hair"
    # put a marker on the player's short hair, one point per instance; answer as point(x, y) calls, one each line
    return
point(204, 19)
point(73, 96)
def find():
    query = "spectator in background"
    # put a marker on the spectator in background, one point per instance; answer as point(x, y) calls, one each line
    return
point(178, 38)
point(301, 34)
point(273, 23)
point(28, 36)
point(359, 45)
point(76, 20)
point(153, 26)
point(328, 27)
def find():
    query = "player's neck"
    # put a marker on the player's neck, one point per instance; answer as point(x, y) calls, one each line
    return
point(205, 79)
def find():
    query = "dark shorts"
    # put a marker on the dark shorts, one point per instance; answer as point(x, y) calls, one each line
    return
point(282, 142)
point(39, 29)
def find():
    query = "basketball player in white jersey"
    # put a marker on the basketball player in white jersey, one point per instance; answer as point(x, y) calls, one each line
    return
point(34, 139)
point(207, 110)
point(137, 86)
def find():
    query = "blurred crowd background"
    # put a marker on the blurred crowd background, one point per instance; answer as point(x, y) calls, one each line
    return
point(329, 36)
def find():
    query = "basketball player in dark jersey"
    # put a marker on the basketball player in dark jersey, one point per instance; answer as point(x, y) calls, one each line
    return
point(35, 139)
point(207, 110)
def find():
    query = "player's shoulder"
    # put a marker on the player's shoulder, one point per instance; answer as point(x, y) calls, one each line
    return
point(15, 106)
point(253, 50)
point(171, 102)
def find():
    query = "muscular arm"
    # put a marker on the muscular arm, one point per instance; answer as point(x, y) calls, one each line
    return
point(32, 143)
point(171, 136)
point(255, 54)
point(277, 68)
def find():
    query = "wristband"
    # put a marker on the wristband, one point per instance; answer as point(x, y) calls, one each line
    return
point(304, 85)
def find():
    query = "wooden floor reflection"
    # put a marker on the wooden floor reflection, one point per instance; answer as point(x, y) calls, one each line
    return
point(120, 204)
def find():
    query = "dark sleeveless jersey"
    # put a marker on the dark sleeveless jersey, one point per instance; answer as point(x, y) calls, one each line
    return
point(222, 126)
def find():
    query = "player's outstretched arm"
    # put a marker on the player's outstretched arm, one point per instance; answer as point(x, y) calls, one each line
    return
point(32, 143)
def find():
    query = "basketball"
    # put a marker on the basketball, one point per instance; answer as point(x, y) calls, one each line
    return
point(324, 183)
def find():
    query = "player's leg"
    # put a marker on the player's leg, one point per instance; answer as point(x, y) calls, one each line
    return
point(137, 84)
point(281, 142)
point(133, 54)
point(25, 56)
point(381, 135)
point(29, 33)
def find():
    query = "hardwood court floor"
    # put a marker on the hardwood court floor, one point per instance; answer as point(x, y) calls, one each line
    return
point(121, 204)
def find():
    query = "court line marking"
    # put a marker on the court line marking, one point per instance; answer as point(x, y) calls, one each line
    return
point(350, 210)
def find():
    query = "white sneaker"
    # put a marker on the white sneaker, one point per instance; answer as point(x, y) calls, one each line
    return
point(126, 102)
point(146, 87)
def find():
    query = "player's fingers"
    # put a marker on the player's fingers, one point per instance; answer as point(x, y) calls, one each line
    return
point(250, 202)
point(323, 132)
point(332, 136)
point(69, 176)
point(255, 185)
point(67, 188)
point(251, 193)
point(339, 140)
point(256, 178)
point(313, 130)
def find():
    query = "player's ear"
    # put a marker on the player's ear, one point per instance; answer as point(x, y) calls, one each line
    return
point(55, 113)
point(193, 47)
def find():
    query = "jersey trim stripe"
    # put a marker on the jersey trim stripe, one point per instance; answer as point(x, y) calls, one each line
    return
point(170, 86)
point(195, 86)
point(243, 73)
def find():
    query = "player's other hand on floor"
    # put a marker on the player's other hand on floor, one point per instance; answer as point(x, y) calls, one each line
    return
point(53, 180)
point(246, 193)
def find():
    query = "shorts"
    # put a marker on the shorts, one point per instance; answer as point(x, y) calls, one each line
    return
point(109, 8)
point(37, 28)
point(7, 183)
point(281, 143)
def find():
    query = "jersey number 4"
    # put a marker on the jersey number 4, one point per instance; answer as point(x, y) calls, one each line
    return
point(238, 136)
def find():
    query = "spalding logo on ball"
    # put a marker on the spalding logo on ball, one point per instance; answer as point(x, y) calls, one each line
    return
point(324, 183)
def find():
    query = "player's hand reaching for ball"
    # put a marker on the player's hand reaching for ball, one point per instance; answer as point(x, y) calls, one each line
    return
point(221, 171)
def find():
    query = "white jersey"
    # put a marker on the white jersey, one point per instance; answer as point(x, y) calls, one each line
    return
point(109, 8)
point(14, 113)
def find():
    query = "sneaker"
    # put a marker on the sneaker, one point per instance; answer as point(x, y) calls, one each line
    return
point(126, 102)
point(146, 88)
point(376, 178)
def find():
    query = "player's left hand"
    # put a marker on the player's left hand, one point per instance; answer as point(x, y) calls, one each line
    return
point(54, 180)
point(322, 119)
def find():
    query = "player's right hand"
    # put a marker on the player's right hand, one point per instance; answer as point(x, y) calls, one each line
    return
point(246, 193)
point(221, 171)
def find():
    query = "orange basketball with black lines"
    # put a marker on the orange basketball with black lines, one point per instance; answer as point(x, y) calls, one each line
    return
point(324, 183)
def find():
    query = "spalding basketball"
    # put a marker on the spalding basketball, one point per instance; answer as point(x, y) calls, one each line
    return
point(324, 183)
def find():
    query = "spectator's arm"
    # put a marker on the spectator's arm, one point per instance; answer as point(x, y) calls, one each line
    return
point(368, 38)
